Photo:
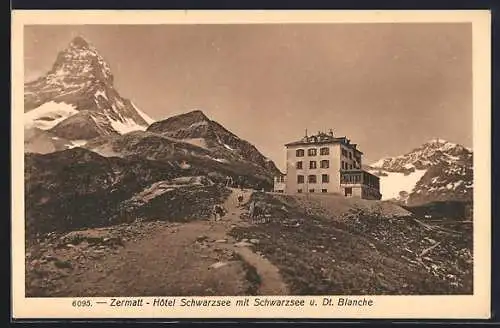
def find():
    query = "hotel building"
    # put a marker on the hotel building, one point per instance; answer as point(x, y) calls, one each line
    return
point(324, 163)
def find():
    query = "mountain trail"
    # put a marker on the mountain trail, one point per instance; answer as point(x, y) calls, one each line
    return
point(198, 258)
point(271, 282)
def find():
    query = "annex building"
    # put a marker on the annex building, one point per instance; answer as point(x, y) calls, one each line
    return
point(323, 163)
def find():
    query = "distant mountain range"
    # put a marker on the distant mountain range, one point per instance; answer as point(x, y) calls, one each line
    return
point(438, 170)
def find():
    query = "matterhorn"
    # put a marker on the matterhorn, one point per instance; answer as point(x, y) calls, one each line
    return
point(76, 101)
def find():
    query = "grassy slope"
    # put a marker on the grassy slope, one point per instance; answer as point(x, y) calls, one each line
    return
point(358, 253)
point(78, 189)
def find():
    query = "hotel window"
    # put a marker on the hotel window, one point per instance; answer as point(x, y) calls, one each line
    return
point(344, 152)
point(350, 155)
point(312, 164)
point(311, 152)
point(324, 151)
point(299, 165)
point(311, 179)
point(325, 178)
point(311, 190)
point(324, 164)
point(300, 179)
point(350, 166)
point(343, 165)
point(299, 153)
point(299, 191)
point(324, 190)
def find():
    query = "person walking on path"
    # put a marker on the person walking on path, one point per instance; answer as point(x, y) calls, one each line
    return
point(251, 209)
point(218, 212)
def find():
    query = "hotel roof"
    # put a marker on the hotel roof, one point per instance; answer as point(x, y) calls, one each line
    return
point(324, 139)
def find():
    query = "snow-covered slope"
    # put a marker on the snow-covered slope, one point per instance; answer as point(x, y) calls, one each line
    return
point(48, 115)
point(437, 170)
point(144, 116)
point(77, 97)
point(396, 185)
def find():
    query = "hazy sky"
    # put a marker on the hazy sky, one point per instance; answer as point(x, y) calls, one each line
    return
point(387, 87)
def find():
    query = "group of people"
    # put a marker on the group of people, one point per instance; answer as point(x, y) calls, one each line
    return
point(219, 211)
point(255, 209)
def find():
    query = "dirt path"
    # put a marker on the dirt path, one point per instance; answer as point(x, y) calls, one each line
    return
point(271, 282)
point(197, 258)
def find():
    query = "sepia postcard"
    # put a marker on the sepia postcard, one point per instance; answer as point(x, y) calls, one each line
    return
point(251, 164)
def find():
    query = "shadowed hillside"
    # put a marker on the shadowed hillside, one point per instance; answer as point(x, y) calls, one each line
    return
point(330, 245)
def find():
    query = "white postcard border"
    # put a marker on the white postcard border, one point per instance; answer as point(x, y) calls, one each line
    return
point(469, 306)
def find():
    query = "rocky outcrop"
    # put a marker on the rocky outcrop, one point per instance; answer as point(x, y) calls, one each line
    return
point(195, 126)
point(77, 188)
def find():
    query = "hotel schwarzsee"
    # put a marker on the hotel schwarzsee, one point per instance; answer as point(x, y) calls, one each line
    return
point(323, 163)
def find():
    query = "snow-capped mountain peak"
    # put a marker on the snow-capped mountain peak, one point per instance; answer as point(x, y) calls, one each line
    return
point(444, 145)
point(78, 62)
point(437, 170)
point(77, 98)
point(80, 43)
point(430, 153)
